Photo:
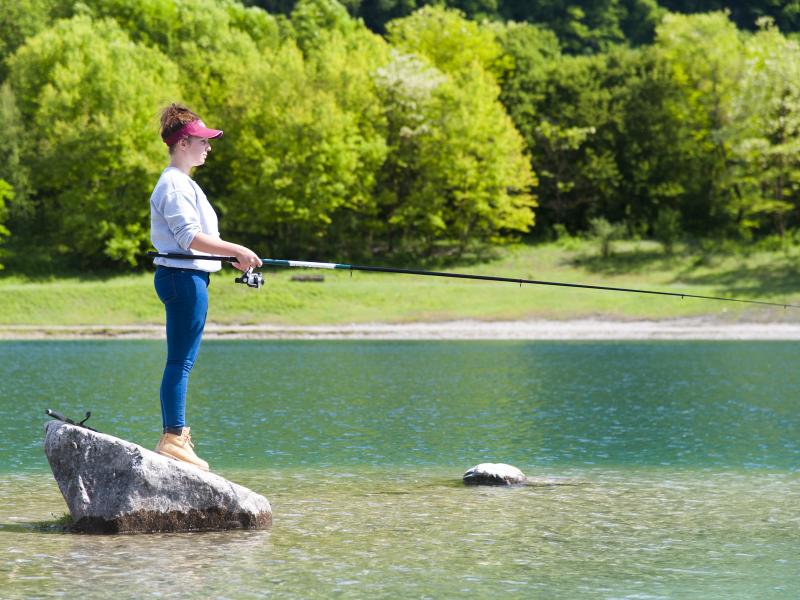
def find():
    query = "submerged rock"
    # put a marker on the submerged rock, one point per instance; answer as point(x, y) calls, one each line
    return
point(494, 474)
point(113, 486)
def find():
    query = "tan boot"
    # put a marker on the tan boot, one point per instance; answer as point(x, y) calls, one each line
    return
point(180, 447)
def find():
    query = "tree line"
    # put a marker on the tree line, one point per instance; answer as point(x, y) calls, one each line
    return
point(582, 26)
point(414, 135)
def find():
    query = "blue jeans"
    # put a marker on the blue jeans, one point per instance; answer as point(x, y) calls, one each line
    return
point(184, 293)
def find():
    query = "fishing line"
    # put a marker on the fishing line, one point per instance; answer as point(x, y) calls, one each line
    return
point(344, 267)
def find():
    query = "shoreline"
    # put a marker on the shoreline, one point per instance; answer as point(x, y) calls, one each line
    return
point(701, 328)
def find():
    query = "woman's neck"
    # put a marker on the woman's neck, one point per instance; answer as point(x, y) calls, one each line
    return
point(180, 163)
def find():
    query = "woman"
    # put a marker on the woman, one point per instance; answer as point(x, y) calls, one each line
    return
point(183, 221)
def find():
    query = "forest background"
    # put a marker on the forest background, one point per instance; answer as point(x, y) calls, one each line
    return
point(399, 128)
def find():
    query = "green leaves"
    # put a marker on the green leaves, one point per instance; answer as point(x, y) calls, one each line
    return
point(457, 167)
point(305, 143)
point(451, 42)
point(445, 134)
point(697, 132)
point(738, 113)
point(764, 131)
point(87, 93)
point(333, 143)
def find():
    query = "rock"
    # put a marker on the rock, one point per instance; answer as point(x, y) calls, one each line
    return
point(113, 486)
point(494, 474)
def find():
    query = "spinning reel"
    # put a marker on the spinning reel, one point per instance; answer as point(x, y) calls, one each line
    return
point(251, 279)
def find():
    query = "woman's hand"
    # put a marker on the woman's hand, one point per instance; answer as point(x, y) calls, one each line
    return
point(246, 259)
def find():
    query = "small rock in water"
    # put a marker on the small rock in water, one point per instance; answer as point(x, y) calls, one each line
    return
point(113, 486)
point(494, 474)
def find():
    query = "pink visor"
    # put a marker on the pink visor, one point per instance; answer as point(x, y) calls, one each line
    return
point(196, 128)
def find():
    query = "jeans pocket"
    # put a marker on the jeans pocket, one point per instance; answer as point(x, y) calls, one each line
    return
point(165, 286)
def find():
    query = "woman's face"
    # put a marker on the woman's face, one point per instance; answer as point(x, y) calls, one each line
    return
point(196, 150)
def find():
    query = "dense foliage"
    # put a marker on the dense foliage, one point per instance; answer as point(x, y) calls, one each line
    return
point(581, 25)
point(410, 130)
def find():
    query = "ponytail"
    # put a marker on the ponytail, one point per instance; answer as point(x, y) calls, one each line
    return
point(173, 117)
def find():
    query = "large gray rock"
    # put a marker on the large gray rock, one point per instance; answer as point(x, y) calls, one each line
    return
point(114, 486)
point(494, 474)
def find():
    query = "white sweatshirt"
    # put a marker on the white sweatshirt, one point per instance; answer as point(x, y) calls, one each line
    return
point(179, 210)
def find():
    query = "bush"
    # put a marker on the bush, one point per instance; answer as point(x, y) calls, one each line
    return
point(667, 228)
point(605, 233)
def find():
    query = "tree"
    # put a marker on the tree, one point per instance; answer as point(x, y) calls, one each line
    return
point(654, 158)
point(307, 145)
point(87, 93)
point(704, 56)
point(457, 168)
point(314, 20)
point(785, 14)
point(589, 26)
point(583, 26)
point(12, 167)
point(605, 233)
point(21, 19)
point(561, 108)
point(764, 133)
point(450, 41)
point(602, 138)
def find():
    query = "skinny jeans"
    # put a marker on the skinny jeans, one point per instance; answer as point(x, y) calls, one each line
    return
point(184, 293)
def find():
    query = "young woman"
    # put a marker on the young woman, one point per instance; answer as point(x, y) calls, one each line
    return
point(183, 221)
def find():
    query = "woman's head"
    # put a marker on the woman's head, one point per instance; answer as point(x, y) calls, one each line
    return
point(181, 125)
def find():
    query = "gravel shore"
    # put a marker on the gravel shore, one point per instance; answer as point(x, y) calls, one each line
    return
point(582, 329)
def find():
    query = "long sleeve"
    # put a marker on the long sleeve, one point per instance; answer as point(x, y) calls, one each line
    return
point(181, 216)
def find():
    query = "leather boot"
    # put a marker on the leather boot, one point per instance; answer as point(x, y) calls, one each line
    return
point(180, 447)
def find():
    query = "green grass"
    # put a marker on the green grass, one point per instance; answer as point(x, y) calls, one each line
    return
point(390, 298)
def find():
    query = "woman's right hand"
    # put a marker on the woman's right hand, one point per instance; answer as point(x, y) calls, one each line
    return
point(246, 259)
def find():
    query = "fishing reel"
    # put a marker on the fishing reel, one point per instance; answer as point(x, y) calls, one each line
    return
point(251, 279)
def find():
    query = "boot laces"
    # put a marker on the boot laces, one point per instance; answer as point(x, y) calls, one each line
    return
point(187, 438)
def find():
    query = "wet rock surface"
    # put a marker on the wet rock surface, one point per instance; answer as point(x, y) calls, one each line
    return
point(494, 474)
point(114, 486)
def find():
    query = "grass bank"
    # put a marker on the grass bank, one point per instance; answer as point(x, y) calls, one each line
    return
point(366, 297)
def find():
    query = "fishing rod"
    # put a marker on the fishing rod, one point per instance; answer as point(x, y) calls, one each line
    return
point(255, 280)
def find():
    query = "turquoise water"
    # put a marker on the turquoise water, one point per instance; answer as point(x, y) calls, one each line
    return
point(680, 462)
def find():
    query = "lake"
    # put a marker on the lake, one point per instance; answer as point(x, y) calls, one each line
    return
point(673, 469)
